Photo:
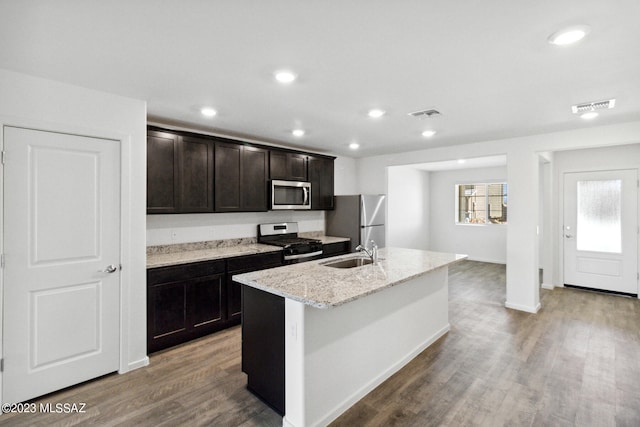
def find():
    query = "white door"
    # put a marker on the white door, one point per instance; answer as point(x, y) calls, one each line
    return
point(601, 230)
point(62, 257)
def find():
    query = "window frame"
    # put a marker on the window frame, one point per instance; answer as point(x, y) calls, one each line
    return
point(486, 183)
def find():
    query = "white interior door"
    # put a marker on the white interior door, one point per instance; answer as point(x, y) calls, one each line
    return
point(62, 258)
point(600, 230)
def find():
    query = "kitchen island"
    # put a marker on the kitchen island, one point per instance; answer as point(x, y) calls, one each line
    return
point(318, 338)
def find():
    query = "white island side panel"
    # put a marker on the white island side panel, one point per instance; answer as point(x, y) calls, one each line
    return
point(335, 357)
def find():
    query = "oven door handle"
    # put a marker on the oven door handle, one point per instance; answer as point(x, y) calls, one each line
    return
point(309, 255)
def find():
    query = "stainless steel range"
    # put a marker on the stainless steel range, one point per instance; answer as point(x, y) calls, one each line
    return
point(294, 248)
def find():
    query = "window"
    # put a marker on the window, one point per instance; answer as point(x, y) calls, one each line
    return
point(481, 203)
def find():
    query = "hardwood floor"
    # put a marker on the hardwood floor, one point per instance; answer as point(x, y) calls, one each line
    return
point(575, 363)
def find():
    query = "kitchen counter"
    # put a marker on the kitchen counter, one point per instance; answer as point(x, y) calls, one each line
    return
point(209, 254)
point(315, 284)
point(166, 255)
point(316, 339)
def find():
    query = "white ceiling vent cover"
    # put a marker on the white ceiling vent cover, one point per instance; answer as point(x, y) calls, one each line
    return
point(593, 106)
point(426, 113)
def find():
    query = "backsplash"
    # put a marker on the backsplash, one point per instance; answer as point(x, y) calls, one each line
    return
point(221, 227)
point(196, 246)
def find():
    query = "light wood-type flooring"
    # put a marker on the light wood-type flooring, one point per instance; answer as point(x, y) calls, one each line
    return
point(575, 363)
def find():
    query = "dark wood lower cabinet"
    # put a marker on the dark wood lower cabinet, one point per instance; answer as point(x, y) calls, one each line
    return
point(184, 302)
point(245, 264)
point(335, 249)
point(188, 301)
point(263, 346)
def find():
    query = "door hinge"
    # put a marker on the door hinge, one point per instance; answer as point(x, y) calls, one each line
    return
point(1, 260)
point(3, 155)
point(2, 365)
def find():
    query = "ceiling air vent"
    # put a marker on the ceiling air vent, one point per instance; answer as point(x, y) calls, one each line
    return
point(593, 106)
point(426, 113)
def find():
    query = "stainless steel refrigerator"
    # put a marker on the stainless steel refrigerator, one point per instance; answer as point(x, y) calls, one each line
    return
point(360, 217)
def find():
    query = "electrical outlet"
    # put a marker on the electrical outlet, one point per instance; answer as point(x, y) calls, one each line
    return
point(174, 235)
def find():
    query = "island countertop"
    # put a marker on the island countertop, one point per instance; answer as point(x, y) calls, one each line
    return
point(315, 284)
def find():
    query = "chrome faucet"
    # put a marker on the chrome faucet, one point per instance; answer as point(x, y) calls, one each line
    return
point(373, 253)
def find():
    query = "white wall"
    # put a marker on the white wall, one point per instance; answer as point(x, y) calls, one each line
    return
point(481, 242)
point(522, 176)
point(408, 208)
point(183, 228)
point(345, 176)
point(30, 101)
point(596, 159)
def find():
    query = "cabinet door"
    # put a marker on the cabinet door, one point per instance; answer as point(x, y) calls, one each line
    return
point(245, 264)
point(321, 178)
point(287, 166)
point(298, 167)
point(253, 185)
point(205, 304)
point(162, 173)
point(227, 177)
point(278, 165)
point(166, 315)
point(196, 177)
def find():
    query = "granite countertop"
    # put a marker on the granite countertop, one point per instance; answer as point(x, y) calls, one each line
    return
point(210, 254)
point(317, 285)
point(167, 255)
point(329, 239)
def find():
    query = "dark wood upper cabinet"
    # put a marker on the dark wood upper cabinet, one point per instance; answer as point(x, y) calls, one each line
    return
point(227, 177)
point(190, 173)
point(287, 166)
point(240, 178)
point(253, 185)
point(322, 182)
point(195, 157)
point(179, 173)
point(162, 173)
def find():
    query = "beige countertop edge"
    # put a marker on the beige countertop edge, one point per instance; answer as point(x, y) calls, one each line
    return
point(187, 257)
point(323, 303)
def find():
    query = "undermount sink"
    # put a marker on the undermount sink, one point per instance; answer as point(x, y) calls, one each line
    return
point(349, 263)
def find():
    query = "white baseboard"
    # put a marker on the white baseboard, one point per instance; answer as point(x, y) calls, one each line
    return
point(549, 286)
point(490, 261)
point(521, 307)
point(136, 364)
point(375, 382)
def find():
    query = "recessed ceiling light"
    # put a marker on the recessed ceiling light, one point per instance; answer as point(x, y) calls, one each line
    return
point(590, 115)
point(569, 35)
point(461, 161)
point(285, 76)
point(428, 133)
point(298, 132)
point(354, 145)
point(208, 112)
point(375, 113)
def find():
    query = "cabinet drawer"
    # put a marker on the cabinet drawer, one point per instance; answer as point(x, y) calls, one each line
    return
point(254, 262)
point(184, 272)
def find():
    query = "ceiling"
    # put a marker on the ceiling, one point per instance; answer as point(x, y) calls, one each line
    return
point(485, 65)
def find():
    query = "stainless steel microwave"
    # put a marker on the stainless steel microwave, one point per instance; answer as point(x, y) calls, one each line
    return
point(290, 195)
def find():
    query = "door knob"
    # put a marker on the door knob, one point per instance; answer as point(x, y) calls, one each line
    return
point(110, 269)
